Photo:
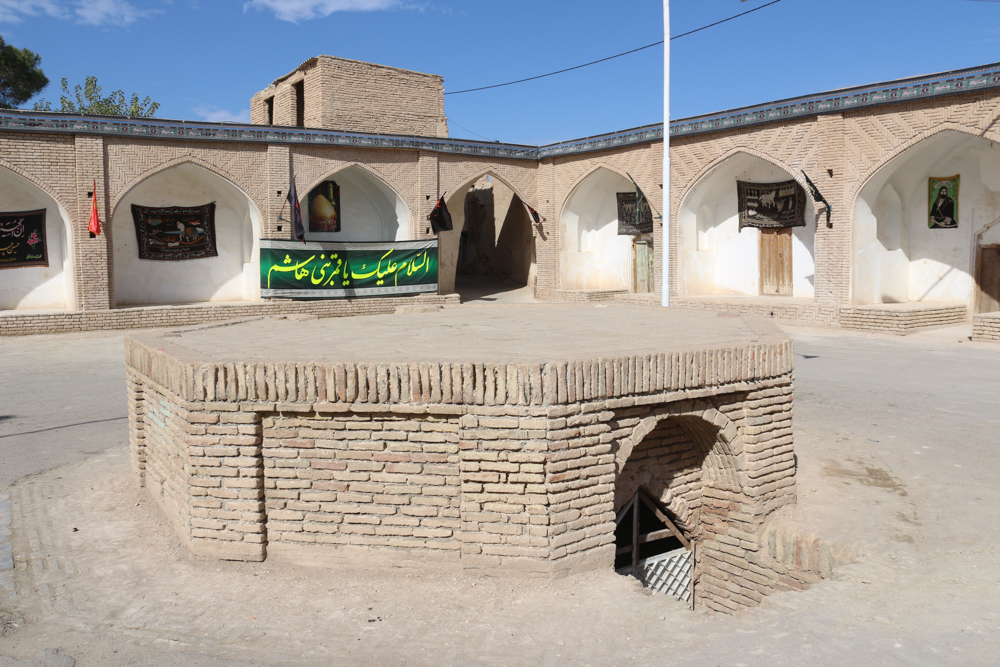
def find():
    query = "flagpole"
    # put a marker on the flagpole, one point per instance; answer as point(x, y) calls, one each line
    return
point(665, 290)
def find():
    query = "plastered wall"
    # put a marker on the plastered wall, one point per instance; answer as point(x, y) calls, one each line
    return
point(42, 287)
point(231, 276)
point(897, 257)
point(370, 210)
point(715, 256)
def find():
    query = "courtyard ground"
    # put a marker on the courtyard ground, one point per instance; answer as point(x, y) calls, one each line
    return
point(897, 442)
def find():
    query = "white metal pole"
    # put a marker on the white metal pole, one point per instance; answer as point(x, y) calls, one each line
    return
point(665, 299)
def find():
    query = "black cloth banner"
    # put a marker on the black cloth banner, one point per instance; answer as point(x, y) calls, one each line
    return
point(175, 232)
point(22, 239)
point(440, 217)
point(628, 222)
point(771, 205)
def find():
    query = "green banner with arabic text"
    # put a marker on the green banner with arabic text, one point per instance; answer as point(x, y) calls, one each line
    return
point(347, 270)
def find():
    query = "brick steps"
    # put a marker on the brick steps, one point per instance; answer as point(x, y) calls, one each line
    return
point(900, 320)
point(986, 327)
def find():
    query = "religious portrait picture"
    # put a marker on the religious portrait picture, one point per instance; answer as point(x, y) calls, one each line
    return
point(324, 208)
point(943, 201)
point(175, 232)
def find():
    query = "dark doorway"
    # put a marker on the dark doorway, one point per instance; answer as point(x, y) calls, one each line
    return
point(496, 246)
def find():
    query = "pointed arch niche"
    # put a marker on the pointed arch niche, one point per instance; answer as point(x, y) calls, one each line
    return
point(38, 287)
point(370, 210)
point(491, 237)
point(715, 256)
point(592, 255)
point(897, 258)
point(231, 276)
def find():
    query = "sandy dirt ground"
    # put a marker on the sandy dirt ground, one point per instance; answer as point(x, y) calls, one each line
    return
point(898, 446)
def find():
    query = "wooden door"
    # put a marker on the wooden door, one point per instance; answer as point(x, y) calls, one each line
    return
point(988, 278)
point(642, 257)
point(776, 262)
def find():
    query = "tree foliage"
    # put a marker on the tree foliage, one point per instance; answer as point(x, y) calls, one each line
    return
point(89, 99)
point(20, 76)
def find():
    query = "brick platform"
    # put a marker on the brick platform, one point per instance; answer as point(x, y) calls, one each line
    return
point(986, 327)
point(901, 318)
point(781, 309)
point(13, 323)
point(492, 440)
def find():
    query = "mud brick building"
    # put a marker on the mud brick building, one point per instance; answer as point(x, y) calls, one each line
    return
point(867, 258)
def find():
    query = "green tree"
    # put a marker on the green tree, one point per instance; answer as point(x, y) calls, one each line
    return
point(89, 98)
point(20, 76)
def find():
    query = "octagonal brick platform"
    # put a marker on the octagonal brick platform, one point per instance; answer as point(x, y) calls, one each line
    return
point(495, 439)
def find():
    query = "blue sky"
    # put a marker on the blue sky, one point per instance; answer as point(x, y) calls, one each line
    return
point(204, 59)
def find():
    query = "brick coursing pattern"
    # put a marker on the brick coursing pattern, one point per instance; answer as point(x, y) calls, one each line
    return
point(874, 318)
point(350, 95)
point(852, 145)
point(397, 169)
point(811, 314)
point(493, 468)
point(14, 324)
point(986, 327)
point(644, 163)
point(133, 161)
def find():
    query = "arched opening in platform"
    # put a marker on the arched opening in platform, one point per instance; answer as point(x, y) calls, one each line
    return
point(231, 275)
point(911, 245)
point(717, 258)
point(672, 474)
point(592, 255)
point(490, 252)
point(35, 287)
point(356, 207)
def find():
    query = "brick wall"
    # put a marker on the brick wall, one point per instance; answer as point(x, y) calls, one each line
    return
point(15, 324)
point(493, 468)
point(381, 480)
point(350, 95)
point(986, 327)
point(840, 150)
point(201, 462)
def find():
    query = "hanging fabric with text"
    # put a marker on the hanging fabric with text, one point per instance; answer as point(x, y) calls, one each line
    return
point(175, 232)
point(771, 205)
point(22, 239)
point(347, 270)
point(634, 214)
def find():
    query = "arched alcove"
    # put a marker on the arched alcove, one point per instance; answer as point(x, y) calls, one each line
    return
point(715, 256)
point(491, 245)
point(592, 254)
point(667, 465)
point(678, 483)
point(233, 275)
point(37, 287)
point(370, 210)
point(897, 257)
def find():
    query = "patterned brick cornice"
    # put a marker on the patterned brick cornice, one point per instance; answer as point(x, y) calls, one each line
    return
point(954, 82)
point(13, 120)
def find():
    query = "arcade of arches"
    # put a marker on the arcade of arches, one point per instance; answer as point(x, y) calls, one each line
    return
point(866, 256)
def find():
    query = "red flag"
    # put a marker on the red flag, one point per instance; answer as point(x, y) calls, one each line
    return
point(95, 222)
